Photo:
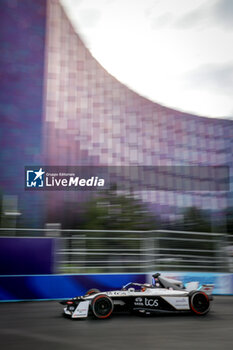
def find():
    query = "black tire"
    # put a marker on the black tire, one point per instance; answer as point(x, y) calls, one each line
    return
point(199, 303)
point(92, 291)
point(102, 306)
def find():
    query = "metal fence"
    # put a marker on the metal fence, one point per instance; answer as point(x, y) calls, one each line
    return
point(96, 251)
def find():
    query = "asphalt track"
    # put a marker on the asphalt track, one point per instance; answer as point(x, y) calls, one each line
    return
point(40, 326)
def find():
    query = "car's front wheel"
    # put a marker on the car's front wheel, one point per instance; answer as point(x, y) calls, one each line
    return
point(102, 306)
point(199, 303)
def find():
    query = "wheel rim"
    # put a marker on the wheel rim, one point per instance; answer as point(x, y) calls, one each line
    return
point(200, 303)
point(102, 307)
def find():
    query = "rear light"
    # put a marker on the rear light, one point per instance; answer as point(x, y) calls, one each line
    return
point(69, 302)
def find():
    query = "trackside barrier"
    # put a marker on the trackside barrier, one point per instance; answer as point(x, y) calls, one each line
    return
point(119, 251)
point(27, 255)
point(107, 260)
point(37, 287)
point(52, 287)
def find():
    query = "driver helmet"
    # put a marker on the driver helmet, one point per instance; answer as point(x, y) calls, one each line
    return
point(156, 282)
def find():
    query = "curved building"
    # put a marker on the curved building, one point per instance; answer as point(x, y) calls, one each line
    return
point(73, 112)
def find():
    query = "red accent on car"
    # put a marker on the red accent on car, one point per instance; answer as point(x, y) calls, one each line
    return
point(98, 297)
point(193, 308)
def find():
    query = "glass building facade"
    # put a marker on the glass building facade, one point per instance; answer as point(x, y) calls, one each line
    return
point(75, 113)
point(22, 64)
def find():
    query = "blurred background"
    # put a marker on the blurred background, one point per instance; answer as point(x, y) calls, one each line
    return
point(60, 107)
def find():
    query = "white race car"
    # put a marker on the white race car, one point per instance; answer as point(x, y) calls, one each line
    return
point(163, 295)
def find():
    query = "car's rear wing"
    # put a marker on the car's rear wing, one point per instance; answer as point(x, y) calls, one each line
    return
point(207, 288)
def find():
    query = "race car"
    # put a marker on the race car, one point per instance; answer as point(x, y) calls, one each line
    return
point(163, 295)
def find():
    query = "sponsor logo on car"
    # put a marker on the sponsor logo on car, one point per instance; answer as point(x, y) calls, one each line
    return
point(138, 302)
point(81, 311)
point(181, 300)
point(120, 293)
point(146, 302)
point(151, 302)
point(138, 299)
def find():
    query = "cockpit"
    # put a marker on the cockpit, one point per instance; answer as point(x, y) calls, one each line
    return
point(157, 282)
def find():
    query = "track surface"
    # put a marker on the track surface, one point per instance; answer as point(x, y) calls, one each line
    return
point(40, 326)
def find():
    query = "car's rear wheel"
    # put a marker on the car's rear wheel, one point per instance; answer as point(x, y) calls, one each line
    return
point(92, 291)
point(102, 306)
point(199, 303)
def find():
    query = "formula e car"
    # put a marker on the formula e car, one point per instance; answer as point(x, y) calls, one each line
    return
point(163, 295)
